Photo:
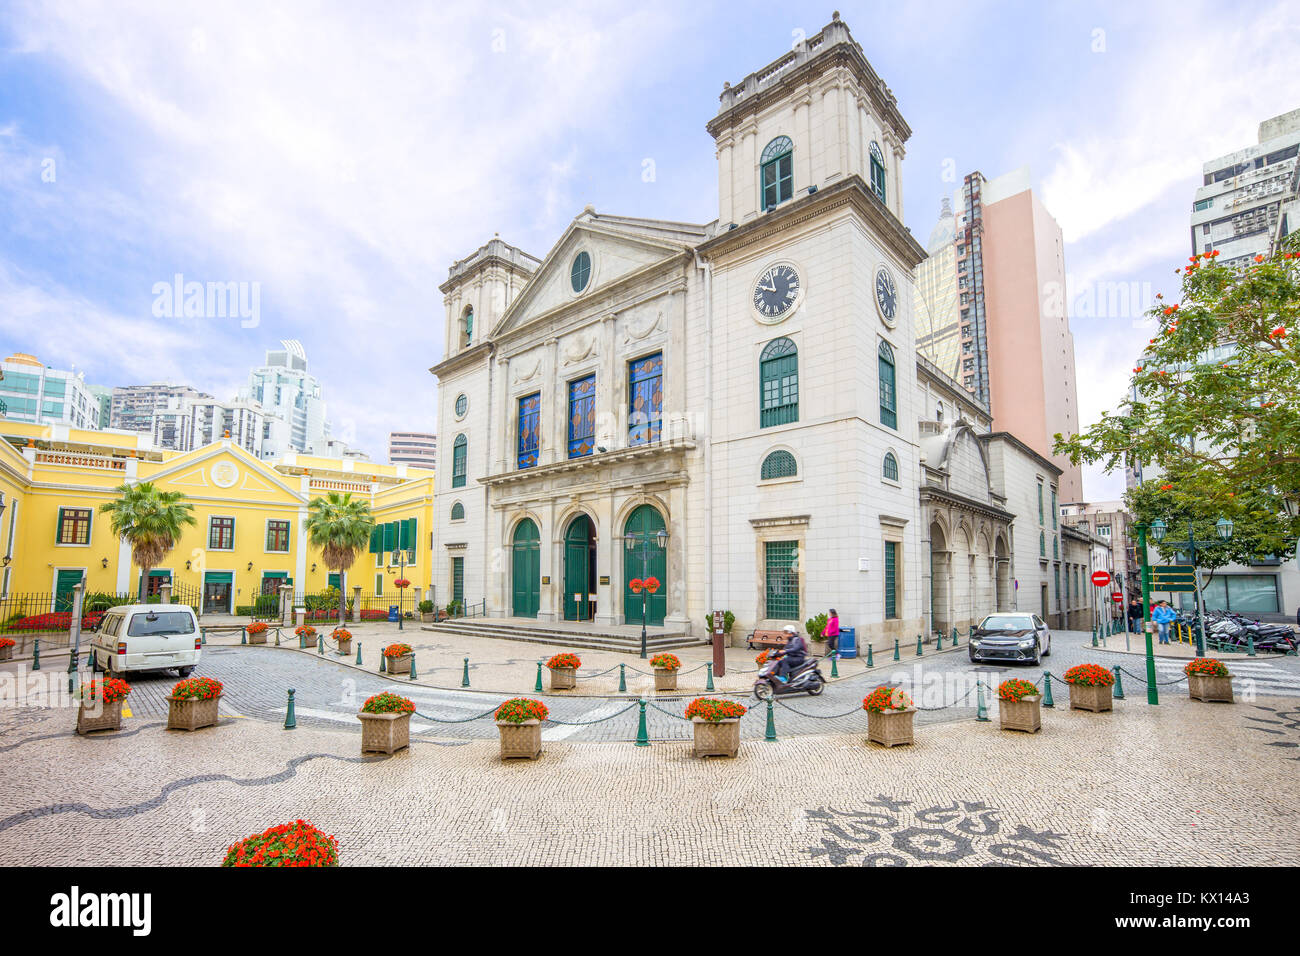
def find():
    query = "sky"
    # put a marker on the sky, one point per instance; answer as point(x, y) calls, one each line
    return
point(333, 160)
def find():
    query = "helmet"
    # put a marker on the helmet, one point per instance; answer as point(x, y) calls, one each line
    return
point(791, 629)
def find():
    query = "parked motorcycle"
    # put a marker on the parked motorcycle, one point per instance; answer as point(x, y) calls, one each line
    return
point(805, 679)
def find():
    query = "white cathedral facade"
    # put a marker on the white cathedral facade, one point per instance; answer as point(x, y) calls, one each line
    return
point(734, 408)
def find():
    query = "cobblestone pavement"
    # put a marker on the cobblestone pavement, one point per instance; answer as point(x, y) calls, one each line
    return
point(1140, 786)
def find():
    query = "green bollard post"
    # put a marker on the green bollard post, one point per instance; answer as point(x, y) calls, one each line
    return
point(290, 721)
point(981, 710)
point(358, 653)
point(383, 663)
point(835, 665)
point(1094, 637)
point(870, 662)
point(537, 688)
point(642, 738)
point(90, 661)
point(320, 644)
point(1250, 645)
point(243, 635)
point(412, 674)
point(1118, 693)
point(918, 645)
point(36, 654)
point(277, 637)
point(203, 636)
point(464, 680)
point(708, 669)
point(1047, 689)
point(770, 735)
point(896, 656)
point(622, 679)
point(954, 635)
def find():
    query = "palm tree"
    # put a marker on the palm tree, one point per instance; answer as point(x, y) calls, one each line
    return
point(150, 520)
point(340, 527)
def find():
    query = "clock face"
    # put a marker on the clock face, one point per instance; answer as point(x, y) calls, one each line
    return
point(886, 294)
point(776, 291)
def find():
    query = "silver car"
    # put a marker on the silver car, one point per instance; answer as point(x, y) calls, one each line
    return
point(1011, 637)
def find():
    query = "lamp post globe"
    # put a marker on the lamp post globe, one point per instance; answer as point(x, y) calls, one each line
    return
point(1224, 527)
point(1159, 529)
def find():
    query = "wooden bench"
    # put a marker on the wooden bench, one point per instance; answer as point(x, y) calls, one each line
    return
point(770, 639)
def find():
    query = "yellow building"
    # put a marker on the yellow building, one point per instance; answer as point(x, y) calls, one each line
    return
point(250, 535)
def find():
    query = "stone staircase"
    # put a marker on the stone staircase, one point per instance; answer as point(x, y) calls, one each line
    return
point(559, 636)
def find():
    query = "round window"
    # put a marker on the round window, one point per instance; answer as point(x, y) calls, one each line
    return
point(462, 405)
point(580, 274)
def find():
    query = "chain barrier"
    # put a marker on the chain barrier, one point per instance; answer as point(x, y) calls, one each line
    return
point(466, 720)
point(598, 720)
point(1139, 677)
point(597, 674)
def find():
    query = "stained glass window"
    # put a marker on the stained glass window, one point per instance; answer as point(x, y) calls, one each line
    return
point(645, 407)
point(530, 407)
point(582, 417)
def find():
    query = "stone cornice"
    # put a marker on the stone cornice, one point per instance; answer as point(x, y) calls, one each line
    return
point(462, 360)
point(929, 492)
point(848, 192)
point(787, 521)
point(590, 463)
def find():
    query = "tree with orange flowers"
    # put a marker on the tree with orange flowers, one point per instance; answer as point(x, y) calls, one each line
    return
point(1214, 408)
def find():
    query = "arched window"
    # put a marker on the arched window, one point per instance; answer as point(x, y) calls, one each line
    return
point(778, 372)
point(776, 170)
point(467, 327)
point(779, 464)
point(580, 272)
point(458, 512)
point(877, 171)
point(888, 386)
point(458, 462)
point(890, 467)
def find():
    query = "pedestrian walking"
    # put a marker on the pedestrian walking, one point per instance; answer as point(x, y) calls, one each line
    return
point(1164, 615)
point(832, 633)
point(1135, 614)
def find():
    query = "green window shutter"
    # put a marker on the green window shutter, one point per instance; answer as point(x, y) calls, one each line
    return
point(58, 528)
point(377, 539)
point(782, 574)
point(891, 579)
point(888, 386)
point(778, 383)
point(458, 462)
point(779, 464)
point(408, 535)
point(457, 512)
point(390, 536)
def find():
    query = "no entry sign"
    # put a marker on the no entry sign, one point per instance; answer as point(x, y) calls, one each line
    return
point(1117, 596)
point(1100, 578)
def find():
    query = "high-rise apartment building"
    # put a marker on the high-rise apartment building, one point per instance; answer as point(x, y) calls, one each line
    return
point(133, 406)
point(30, 392)
point(990, 305)
point(285, 389)
point(413, 448)
point(1250, 199)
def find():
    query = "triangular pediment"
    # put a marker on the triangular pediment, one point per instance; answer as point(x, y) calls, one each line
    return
point(224, 469)
point(619, 248)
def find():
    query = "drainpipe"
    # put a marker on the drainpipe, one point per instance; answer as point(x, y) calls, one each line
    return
point(707, 270)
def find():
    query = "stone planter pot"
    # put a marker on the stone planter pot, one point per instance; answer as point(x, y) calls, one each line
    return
point(191, 714)
point(564, 678)
point(891, 728)
point(716, 738)
point(426, 617)
point(818, 648)
point(1095, 699)
point(305, 642)
point(665, 679)
point(7, 653)
point(384, 733)
point(1204, 687)
point(109, 717)
point(1025, 714)
point(257, 637)
point(345, 645)
point(520, 740)
point(400, 664)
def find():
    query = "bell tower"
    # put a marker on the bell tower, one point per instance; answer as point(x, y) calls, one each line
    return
point(478, 290)
point(816, 115)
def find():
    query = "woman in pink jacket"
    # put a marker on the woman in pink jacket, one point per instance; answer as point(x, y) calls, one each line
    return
point(832, 632)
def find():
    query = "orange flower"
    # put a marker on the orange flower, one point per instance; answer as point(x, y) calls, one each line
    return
point(1166, 487)
point(1259, 258)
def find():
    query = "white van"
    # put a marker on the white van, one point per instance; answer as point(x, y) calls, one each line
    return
point(147, 637)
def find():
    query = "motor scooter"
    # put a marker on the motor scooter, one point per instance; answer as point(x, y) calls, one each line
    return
point(805, 679)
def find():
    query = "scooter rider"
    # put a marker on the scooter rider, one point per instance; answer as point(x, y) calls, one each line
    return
point(792, 655)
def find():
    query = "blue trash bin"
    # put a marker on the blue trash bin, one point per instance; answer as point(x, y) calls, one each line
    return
point(392, 613)
point(848, 645)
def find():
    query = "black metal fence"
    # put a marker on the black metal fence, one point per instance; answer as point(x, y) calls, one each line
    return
point(48, 615)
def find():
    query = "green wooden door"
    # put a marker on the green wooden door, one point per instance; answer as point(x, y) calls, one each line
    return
point(644, 561)
point(333, 581)
point(526, 570)
point(64, 582)
point(458, 582)
point(579, 568)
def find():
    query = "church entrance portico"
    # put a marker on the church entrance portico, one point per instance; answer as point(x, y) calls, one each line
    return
point(580, 569)
point(525, 569)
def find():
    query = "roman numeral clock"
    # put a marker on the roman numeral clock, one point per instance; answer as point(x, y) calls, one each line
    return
point(777, 292)
point(886, 296)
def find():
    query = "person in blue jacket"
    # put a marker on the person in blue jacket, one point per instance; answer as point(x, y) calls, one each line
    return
point(1164, 615)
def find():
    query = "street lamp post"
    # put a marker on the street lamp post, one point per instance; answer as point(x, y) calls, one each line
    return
point(1223, 527)
point(638, 542)
point(1144, 580)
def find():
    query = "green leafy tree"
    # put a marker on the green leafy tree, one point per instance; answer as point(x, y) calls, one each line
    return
point(1214, 406)
point(150, 521)
point(340, 527)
